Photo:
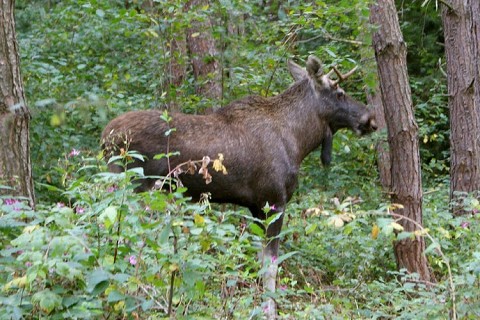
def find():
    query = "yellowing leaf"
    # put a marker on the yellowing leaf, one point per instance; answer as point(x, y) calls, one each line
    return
point(395, 206)
point(15, 283)
point(346, 217)
point(336, 221)
point(218, 164)
point(199, 220)
point(29, 229)
point(396, 226)
point(375, 231)
point(55, 120)
point(119, 305)
point(313, 212)
point(421, 232)
point(173, 267)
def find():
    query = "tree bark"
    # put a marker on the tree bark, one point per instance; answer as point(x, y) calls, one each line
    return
point(461, 50)
point(176, 69)
point(390, 52)
point(15, 165)
point(381, 147)
point(476, 55)
point(204, 55)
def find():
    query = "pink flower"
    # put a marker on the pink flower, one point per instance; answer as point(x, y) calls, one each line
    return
point(10, 202)
point(273, 207)
point(60, 205)
point(80, 210)
point(132, 260)
point(283, 287)
point(14, 203)
point(274, 259)
point(74, 153)
point(112, 188)
point(28, 264)
point(465, 224)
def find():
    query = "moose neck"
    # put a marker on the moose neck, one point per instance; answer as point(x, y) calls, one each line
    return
point(303, 125)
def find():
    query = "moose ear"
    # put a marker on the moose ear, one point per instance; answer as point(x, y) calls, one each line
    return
point(314, 67)
point(297, 72)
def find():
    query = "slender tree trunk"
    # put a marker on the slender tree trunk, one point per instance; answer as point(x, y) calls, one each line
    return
point(15, 165)
point(461, 42)
point(381, 147)
point(390, 52)
point(475, 13)
point(176, 69)
point(204, 55)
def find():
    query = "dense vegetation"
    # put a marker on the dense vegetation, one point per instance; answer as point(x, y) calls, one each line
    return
point(94, 249)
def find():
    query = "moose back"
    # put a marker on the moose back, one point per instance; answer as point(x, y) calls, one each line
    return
point(263, 142)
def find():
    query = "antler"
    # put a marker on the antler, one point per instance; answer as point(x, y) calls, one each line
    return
point(341, 77)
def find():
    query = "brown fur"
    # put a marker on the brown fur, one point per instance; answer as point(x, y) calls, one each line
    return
point(263, 140)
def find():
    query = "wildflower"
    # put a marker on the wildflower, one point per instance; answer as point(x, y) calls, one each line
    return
point(132, 260)
point(60, 204)
point(273, 207)
point(112, 188)
point(80, 210)
point(283, 287)
point(465, 224)
point(10, 202)
point(28, 264)
point(74, 153)
point(274, 259)
point(13, 202)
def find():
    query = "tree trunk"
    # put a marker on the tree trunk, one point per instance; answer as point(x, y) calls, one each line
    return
point(476, 56)
point(203, 53)
point(462, 69)
point(176, 69)
point(381, 147)
point(390, 53)
point(15, 165)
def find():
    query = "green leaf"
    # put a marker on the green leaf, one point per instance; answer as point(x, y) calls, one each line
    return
point(431, 247)
point(273, 218)
point(404, 235)
point(285, 256)
point(98, 281)
point(100, 13)
point(108, 216)
point(115, 296)
point(47, 300)
point(310, 228)
point(257, 230)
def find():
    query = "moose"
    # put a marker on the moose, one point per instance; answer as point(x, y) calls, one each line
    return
point(263, 142)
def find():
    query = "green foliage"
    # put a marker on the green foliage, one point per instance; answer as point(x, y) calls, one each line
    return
point(111, 252)
point(92, 248)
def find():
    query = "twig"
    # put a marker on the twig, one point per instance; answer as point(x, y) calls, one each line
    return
point(448, 5)
point(329, 37)
point(172, 277)
point(151, 296)
point(288, 41)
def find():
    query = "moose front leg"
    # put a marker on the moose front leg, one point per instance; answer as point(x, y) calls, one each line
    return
point(269, 262)
point(327, 144)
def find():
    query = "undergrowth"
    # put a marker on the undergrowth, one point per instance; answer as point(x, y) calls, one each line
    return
point(107, 252)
